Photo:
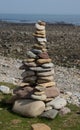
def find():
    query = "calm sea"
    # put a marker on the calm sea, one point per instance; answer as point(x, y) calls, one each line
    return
point(31, 18)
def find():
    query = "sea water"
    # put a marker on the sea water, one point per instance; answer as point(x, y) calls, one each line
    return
point(32, 18)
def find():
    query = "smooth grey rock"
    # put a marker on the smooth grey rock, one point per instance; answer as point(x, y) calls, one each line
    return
point(30, 79)
point(28, 73)
point(36, 51)
point(47, 65)
point(31, 54)
point(57, 103)
point(28, 108)
point(39, 69)
point(51, 114)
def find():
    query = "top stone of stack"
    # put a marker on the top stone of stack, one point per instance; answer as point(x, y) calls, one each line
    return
point(40, 31)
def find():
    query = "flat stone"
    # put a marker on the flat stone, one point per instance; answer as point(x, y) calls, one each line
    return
point(23, 92)
point(36, 51)
point(30, 64)
point(47, 65)
point(23, 84)
point(42, 43)
point(40, 81)
point(39, 97)
point(64, 111)
point(44, 55)
point(39, 35)
point(39, 93)
point(48, 99)
point(28, 60)
point(30, 79)
point(40, 88)
point(48, 84)
point(42, 32)
point(57, 103)
point(25, 107)
point(51, 114)
point(28, 73)
point(48, 78)
point(42, 61)
point(22, 67)
point(41, 39)
point(39, 27)
point(45, 74)
point(31, 54)
point(40, 69)
point(40, 126)
point(52, 92)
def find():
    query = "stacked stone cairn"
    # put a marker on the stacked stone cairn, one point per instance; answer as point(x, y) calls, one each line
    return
point(37, 90)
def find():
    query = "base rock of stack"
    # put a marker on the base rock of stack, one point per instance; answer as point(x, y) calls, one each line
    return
point(28, 108)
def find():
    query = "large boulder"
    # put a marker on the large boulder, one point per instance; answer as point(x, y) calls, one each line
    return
point(28, 108)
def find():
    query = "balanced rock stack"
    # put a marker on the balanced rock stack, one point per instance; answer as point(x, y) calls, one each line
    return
point(38, 87)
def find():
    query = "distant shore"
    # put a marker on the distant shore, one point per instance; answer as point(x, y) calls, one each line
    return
point(63, 41)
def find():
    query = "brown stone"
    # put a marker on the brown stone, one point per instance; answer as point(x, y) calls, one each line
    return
point(28, 60)
point(39, 35)
point(48, 84)
point(23, 92)
point(47, 78)
point(39, 93)
point(40, 81)
point(42, 32)
point(52, 92)
point(44, 55)
point(33, 64)
point(40, 126)
point(42, 61)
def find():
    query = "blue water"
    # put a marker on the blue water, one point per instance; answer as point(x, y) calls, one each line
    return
point(31, 18)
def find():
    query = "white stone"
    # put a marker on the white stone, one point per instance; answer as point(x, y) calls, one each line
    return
point(41, 39)
point(39, 27)
point(47, 65)
point(57, 103)
point(4, 89)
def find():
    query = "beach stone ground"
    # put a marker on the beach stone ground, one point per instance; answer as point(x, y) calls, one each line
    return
point(67, 79)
